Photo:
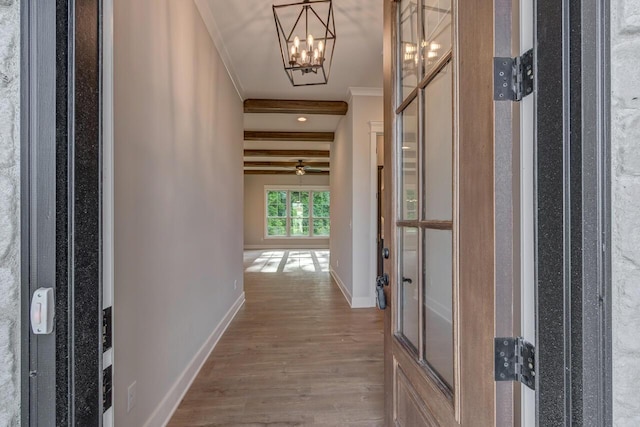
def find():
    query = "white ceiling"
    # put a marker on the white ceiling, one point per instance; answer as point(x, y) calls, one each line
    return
point(245, 34)
point(276, 122)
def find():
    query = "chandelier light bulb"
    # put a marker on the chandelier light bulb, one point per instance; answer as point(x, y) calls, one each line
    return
point(303, 56)
point(293, 50)
point(316, 54)
point(320, 46)
point(310, 42)
point(296, 42)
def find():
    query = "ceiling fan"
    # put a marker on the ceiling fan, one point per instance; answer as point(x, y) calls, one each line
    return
point(301, 169)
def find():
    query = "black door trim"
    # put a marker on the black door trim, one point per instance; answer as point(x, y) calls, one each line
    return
point(573, 213)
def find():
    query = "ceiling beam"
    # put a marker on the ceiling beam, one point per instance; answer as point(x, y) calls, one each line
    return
point(334, 108)
point(298, 154)
point(276, 172)
point(250, 135)
point(286, 164)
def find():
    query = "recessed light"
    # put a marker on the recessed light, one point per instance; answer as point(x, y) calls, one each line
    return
point(302, 119)
point(406, 148)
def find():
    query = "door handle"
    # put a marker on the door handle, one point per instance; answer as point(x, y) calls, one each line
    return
point(385, 253)
point(42, 311)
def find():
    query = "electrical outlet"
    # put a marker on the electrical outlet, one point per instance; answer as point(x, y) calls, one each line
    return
point(235, 284)
point(131, 396)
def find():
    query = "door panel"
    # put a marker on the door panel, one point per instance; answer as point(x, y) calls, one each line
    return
point(410, 409)
point(440, 182)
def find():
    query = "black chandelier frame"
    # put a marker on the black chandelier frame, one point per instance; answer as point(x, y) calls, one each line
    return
point(286, 40)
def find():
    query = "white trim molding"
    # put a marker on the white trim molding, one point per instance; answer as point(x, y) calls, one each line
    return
point(341, 285)
point(364, 91)
point(354, 302)
point(164, 411)
point(375, 128)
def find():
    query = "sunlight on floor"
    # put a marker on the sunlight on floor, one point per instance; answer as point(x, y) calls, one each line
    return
point(289, 261)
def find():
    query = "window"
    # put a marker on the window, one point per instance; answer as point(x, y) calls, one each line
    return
point(276, 213)
point(300, 212)
point(321, 213)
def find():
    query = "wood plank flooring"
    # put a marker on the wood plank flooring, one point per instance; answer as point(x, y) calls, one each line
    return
point(295, 355)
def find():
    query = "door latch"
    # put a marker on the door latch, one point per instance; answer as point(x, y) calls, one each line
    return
point(381, 282)
point(42, 311)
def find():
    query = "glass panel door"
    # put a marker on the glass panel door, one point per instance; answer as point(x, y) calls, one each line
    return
point(425, 322)
point(409, 56)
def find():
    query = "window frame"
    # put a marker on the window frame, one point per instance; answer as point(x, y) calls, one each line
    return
point(289, 189)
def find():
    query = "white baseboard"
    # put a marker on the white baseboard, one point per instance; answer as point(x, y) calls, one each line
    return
point(363, 302)
point(164, 411)
point(354, 302)
point(292, 246)
point(341, 285)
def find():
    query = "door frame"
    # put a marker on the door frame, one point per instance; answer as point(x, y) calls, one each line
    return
point(573, 221)
point(61, 374)
point(375, 128)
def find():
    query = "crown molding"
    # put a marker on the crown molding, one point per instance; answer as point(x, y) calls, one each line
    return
point(214, 32)
point(364, 91)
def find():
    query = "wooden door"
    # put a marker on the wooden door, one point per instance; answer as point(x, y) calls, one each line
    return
point(439, 181)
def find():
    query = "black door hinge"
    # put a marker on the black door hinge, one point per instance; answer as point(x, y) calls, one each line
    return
point(515, 360)
point(513, 77)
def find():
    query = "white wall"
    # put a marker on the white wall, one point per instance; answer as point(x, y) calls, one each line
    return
point(625, 171)
point(365, 110)
point(178, 202)
point(351, 189)
point(254, 211)
point(9, 213)
point(341, 185)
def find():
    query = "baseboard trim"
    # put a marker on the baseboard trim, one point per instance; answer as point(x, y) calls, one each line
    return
point(362, 302)
point(341, 286)
point(293, 246)
point(164, 411)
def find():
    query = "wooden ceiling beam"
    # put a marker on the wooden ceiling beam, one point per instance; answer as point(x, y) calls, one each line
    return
point(277, 172)
point(334, 108)
point(298, 154)
point(286, 164)
point(250, 135)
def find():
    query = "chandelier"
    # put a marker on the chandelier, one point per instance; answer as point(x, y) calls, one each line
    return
point(306, 40)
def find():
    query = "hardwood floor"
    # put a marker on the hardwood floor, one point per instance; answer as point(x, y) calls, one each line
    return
point(295, 355)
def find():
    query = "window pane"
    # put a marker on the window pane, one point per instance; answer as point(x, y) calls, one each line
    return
point(276, 203)
point(299, 226)
point(276, 227)
point(299, 204)
point(321, 204)
point(436, 31)
point(408, 157)
point(321, 227)
point(409, 303)
point(438, 302)
point(438, 147)
point(408, 46)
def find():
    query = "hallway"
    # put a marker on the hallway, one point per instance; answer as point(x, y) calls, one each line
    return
point(296, 353)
